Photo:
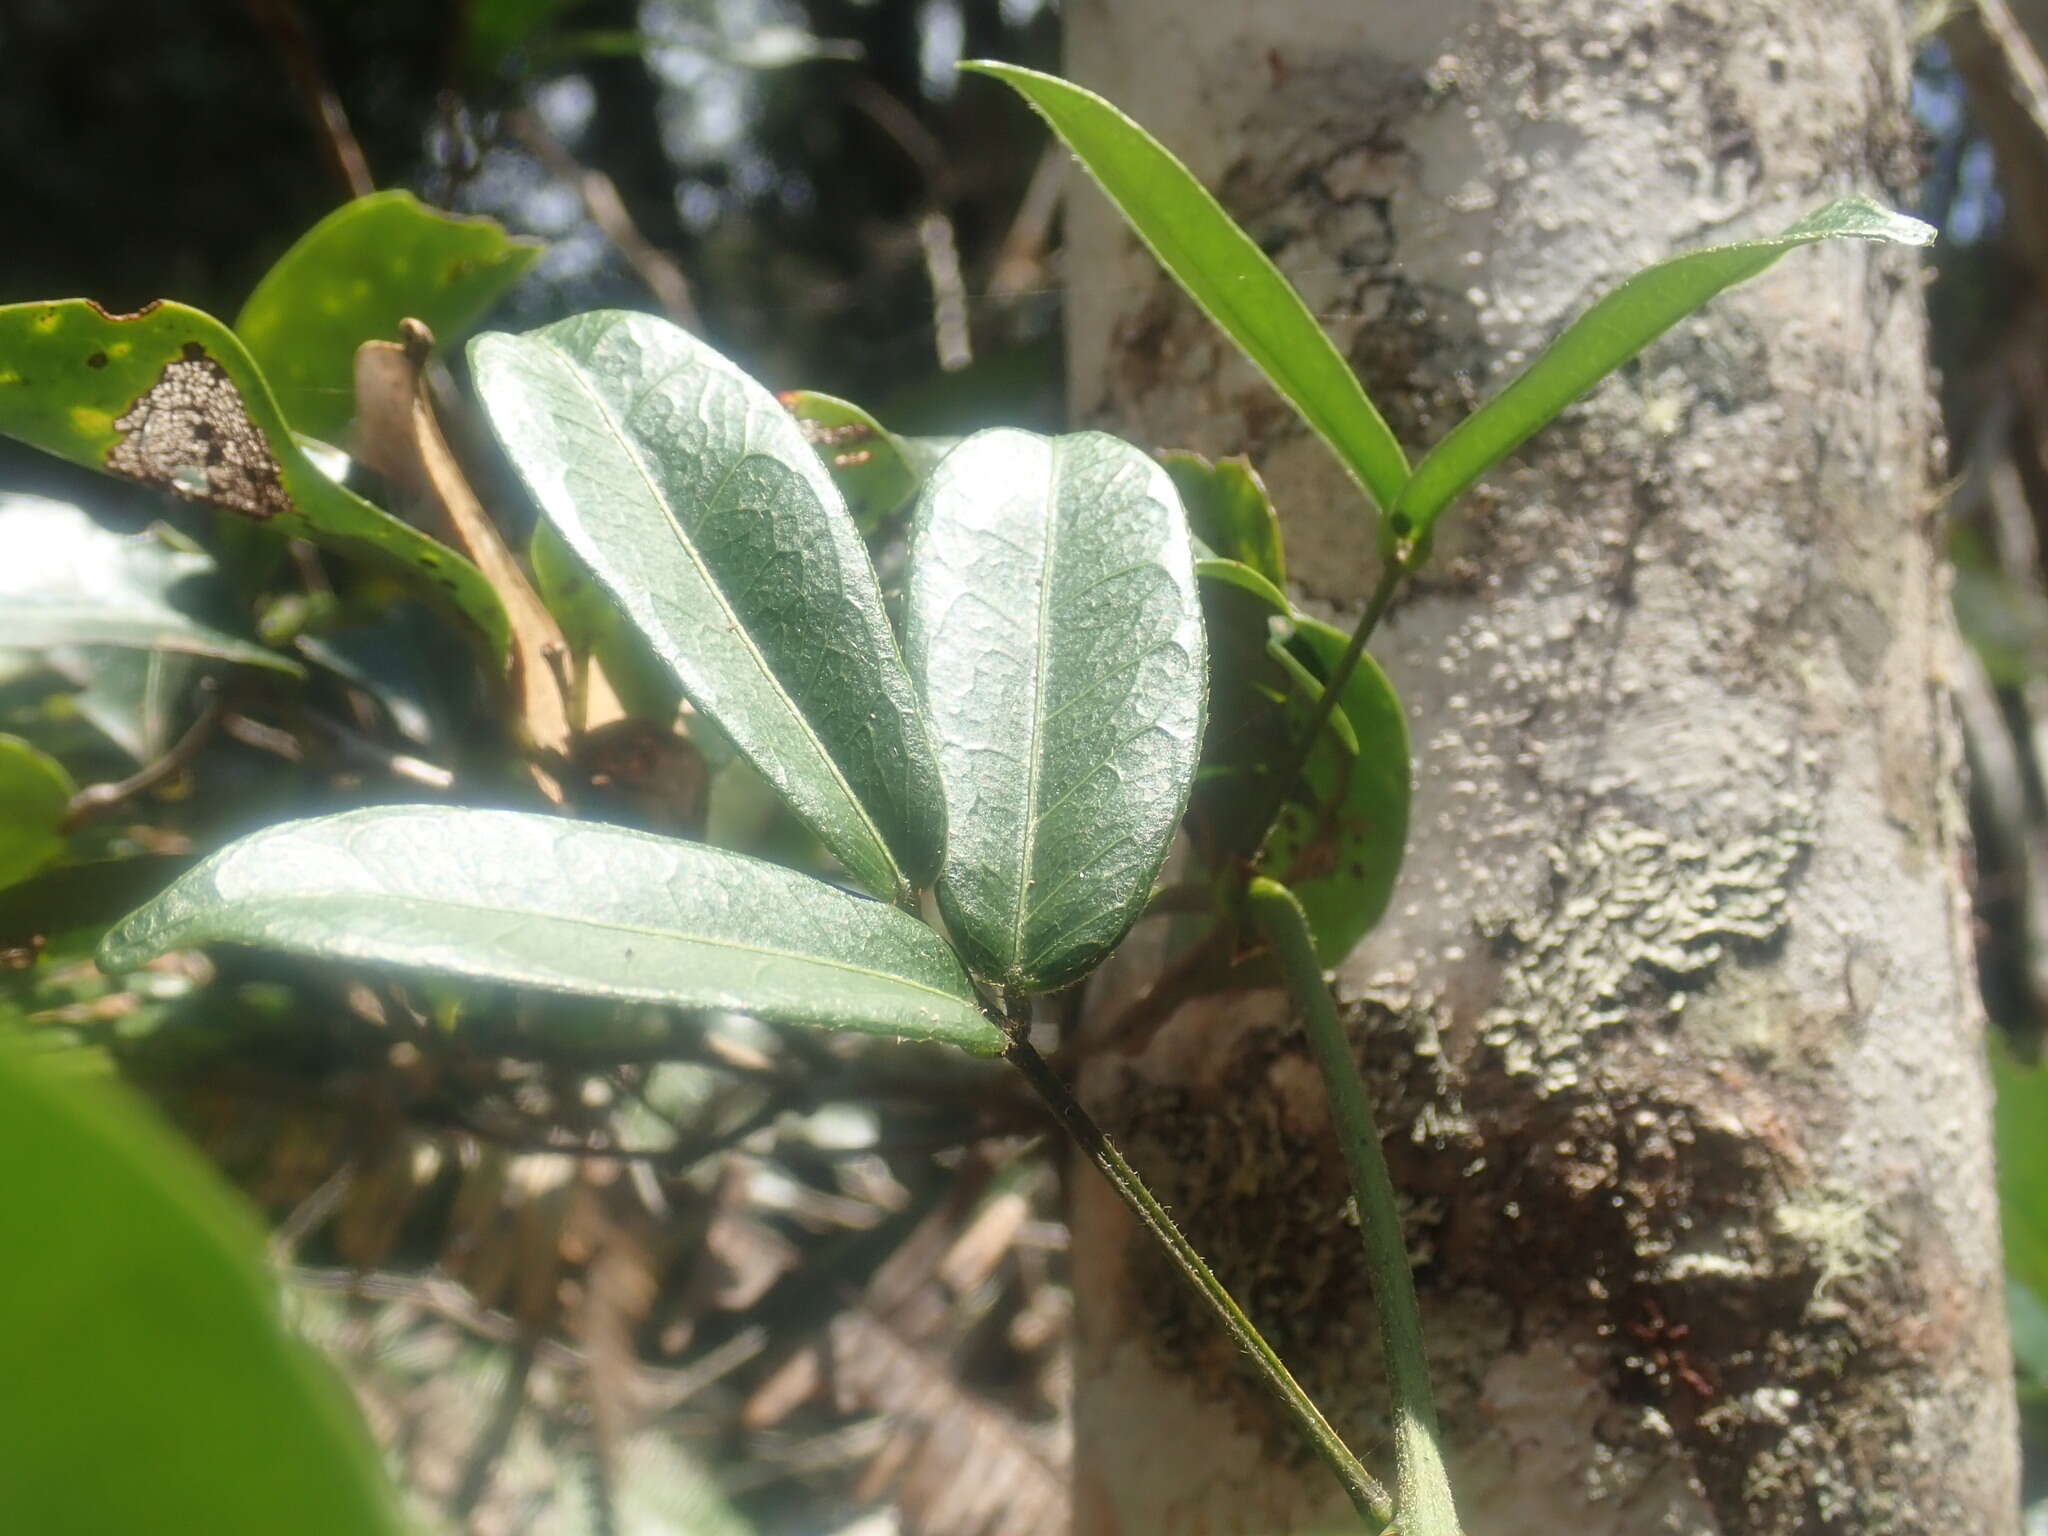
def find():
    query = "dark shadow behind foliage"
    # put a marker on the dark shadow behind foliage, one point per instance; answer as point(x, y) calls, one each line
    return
point(170, 148)
point(821, 1325)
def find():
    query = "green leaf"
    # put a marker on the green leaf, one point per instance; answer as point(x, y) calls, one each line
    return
point(1223, 270)
point(565, 906)
point(35, 792)
point(1229, 511)
point(68, 581)
point(168, 397)
point(594, 627)
point(877, 472)
point(1341, 854)
point(2020, 1125)
point(58, 905)
point(694, 499)
point(1608, 335)
point(1052, 625)
point(150, 1383)
point(351, 278)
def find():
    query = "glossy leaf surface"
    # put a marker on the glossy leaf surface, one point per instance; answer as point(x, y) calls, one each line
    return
point(351, 278)
point(1223, 270)
point(35, 791)
point(692, 497)
point(564, 906)
point(148, 1332)
point(168, 397)
point(1609, 334)
point(1053, 627)
point(65, 580)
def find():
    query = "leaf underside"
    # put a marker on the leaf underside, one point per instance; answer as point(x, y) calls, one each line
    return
point(692, 497)
point(563, 906)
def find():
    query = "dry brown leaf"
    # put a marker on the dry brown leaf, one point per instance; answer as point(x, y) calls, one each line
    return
point(398, 435)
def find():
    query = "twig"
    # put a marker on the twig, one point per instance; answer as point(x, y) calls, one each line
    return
point(1365, 1492)
point(935, 241)
point(607, 210)
point(286, 25)
point(1282, 785)
point(1423, 1491)
point(492, 1439)
point(1020, 260)
point(95, 799)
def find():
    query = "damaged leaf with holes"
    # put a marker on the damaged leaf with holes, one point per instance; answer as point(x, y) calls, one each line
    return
point(168, 398)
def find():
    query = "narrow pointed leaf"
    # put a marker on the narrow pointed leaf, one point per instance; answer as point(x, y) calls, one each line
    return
point(1612, 332)
point(692, 497)
point(351, 278)
point(1053, 628)
point(564, 906)
point(65, 580)
point(1223, 270)
point(148, 1323)
point(168, 397)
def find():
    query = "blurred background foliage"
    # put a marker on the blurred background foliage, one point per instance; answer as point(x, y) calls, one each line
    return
point(717, 1278)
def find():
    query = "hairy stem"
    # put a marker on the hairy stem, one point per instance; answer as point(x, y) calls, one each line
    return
point(1367, 1495)
point(1422, 1491)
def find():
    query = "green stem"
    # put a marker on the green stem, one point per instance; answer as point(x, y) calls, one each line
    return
point(1367, 1495)
point(1422, 1491)
point(1333, 687)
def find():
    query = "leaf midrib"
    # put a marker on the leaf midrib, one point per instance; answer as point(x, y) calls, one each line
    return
point(737, 627)
point(385, 899)
point(1041, 642)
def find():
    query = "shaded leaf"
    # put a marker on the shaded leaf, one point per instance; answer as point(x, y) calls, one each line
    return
point(877, 472)
point(1608, 335)
point(1256, 708)
point(59, 904)
point(537, 901)
point(154, 1332)
point(351, 278)
point(167, 396)
point(594, 627)
point(65, 580)
point(1052, 625)
point(1229, 510)
point(131, 697)
point(1223, 270)
point(35, 792)
point(1341, 853)
point(2021, 1132)
point(695, 501)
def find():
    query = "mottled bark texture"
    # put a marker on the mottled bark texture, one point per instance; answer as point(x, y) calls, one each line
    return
point(1672, 1028)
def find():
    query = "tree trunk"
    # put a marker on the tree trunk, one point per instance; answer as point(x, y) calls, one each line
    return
point(1673, 1027)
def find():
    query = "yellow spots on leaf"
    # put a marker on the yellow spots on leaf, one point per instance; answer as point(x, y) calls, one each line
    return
point(91, 421)
point(9, 376)
point(48, 321)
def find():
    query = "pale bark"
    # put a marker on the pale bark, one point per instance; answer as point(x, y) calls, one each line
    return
point(1673, 1027)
